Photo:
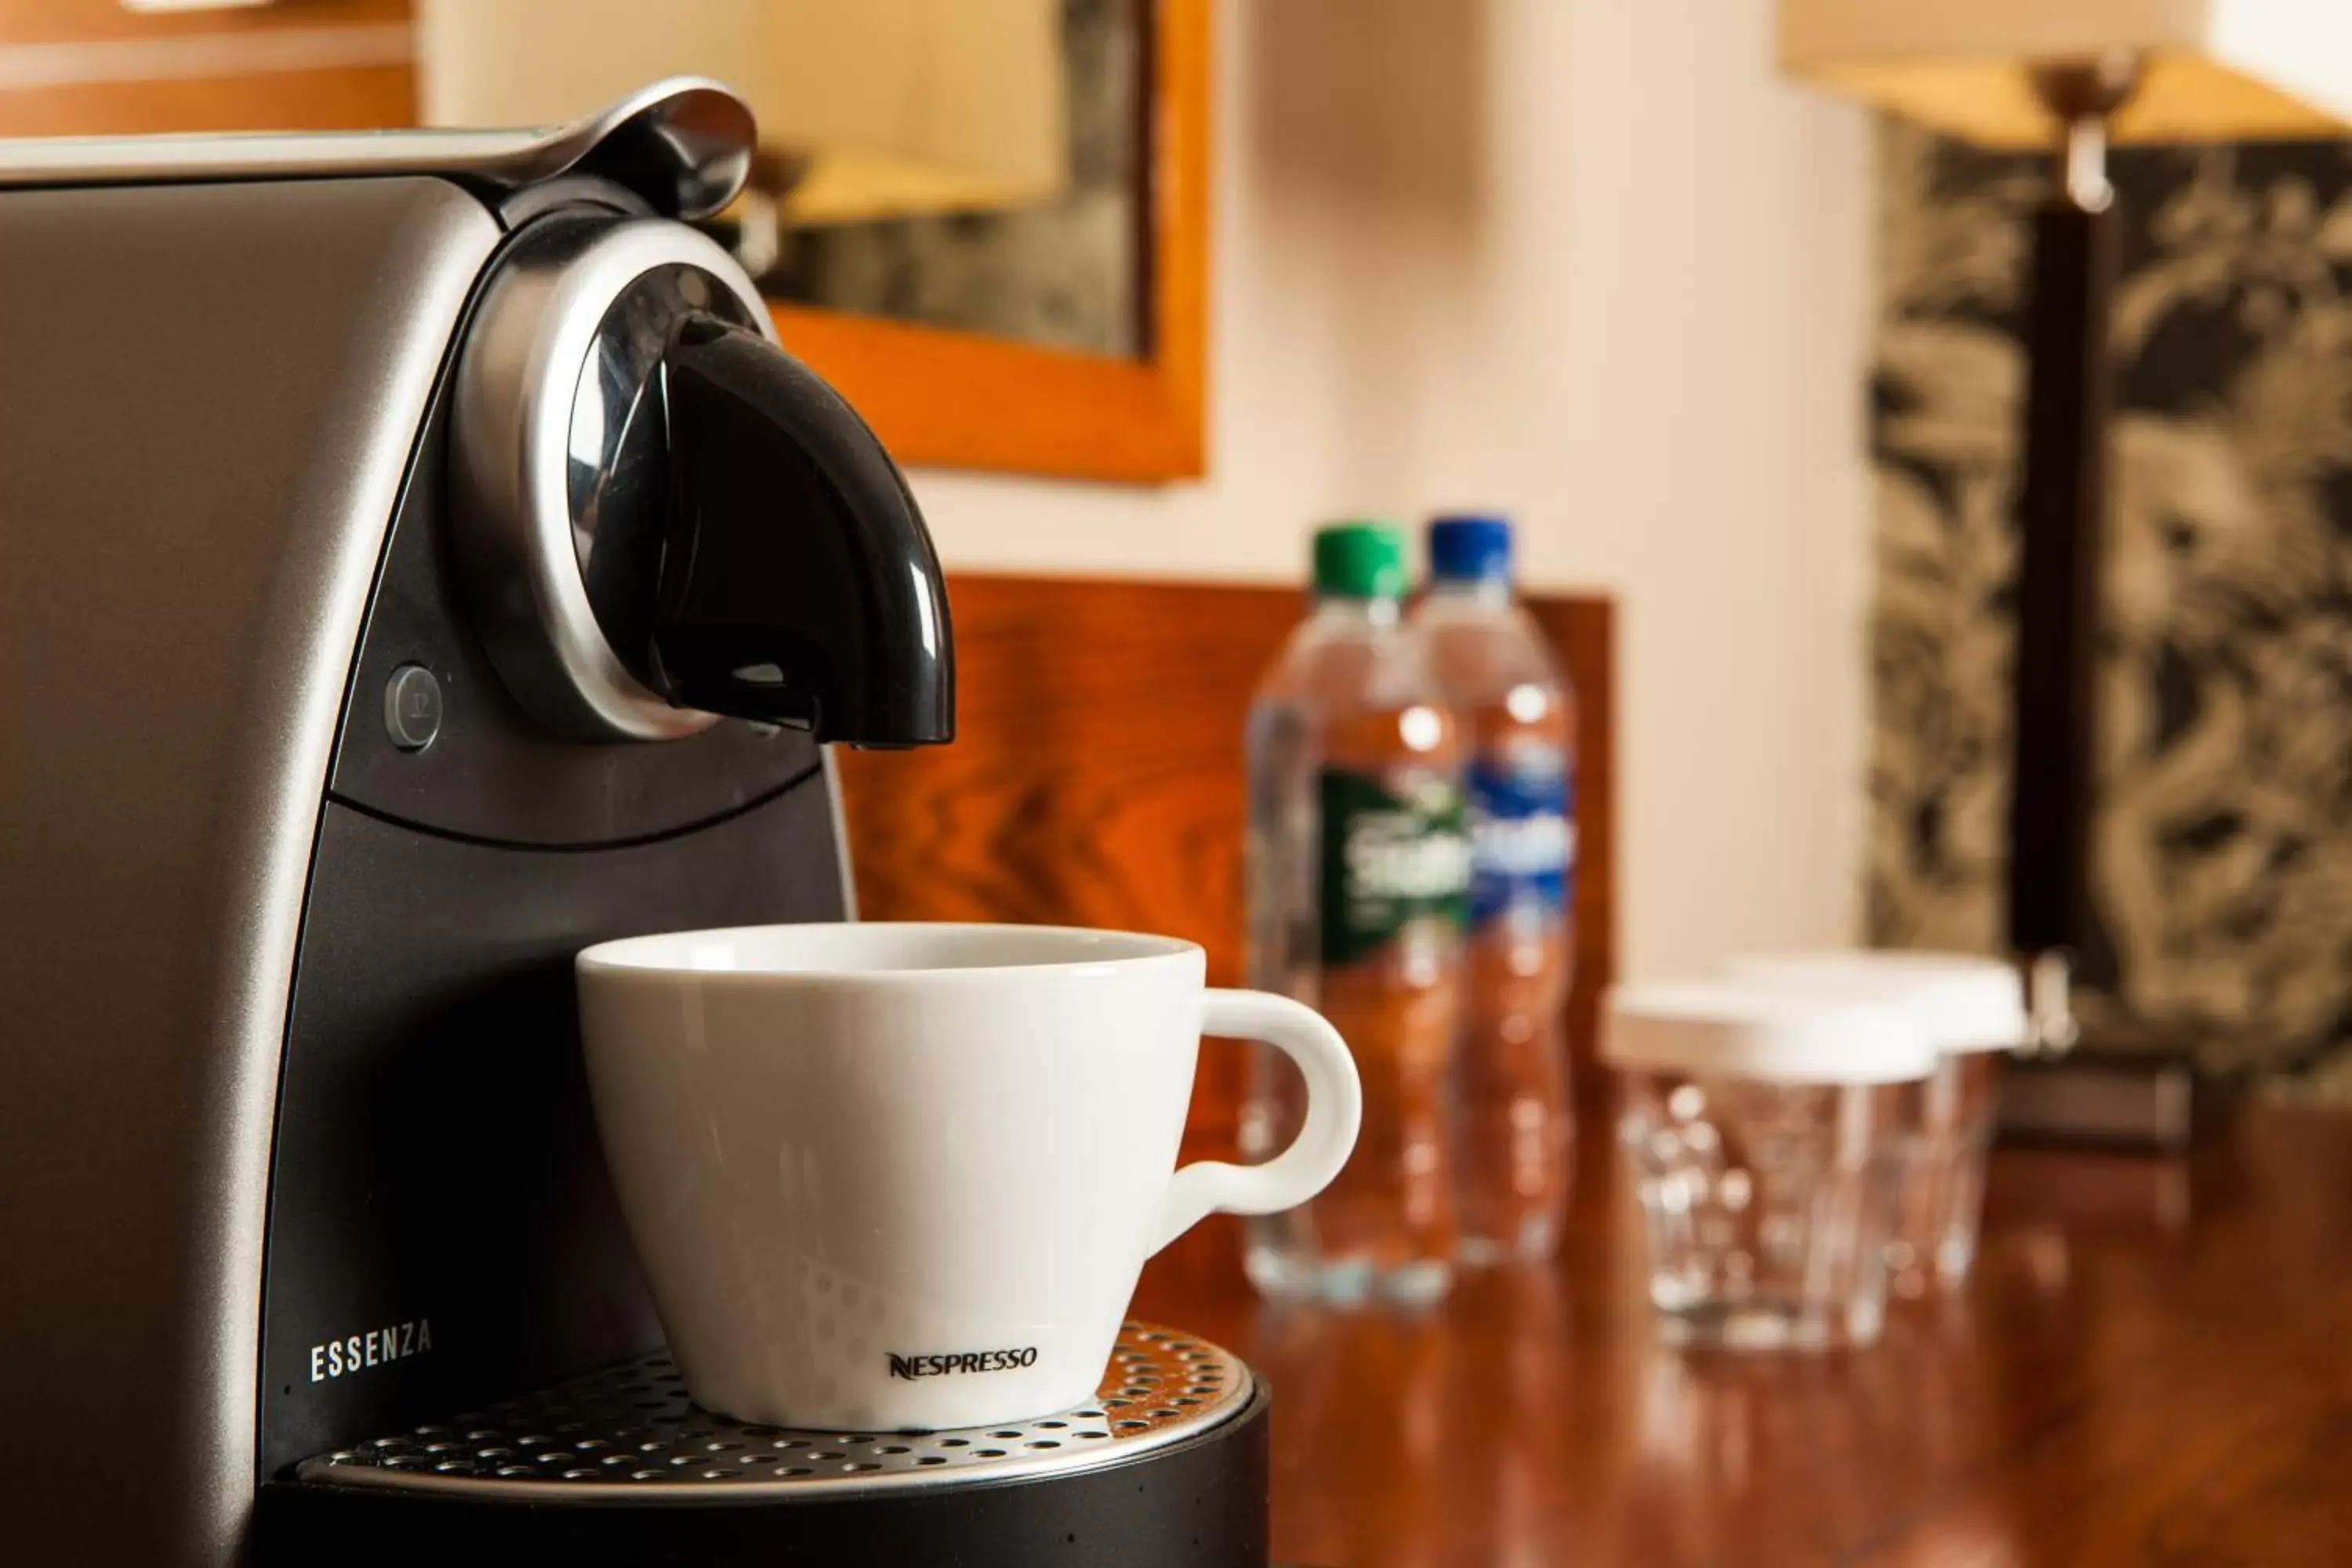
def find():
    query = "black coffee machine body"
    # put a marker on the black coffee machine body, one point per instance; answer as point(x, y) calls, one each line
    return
point(417, 561)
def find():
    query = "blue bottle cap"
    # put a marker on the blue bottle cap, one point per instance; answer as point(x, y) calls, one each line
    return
point(1470, 547)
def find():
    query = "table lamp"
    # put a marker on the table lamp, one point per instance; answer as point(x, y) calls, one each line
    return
point(2076, 75)
point(880, 108)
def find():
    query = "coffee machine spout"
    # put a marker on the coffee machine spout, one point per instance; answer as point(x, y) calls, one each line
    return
point(793, 581)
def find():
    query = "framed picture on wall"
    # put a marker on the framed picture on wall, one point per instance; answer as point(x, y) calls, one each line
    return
point(985, 221)
point(1066, 336)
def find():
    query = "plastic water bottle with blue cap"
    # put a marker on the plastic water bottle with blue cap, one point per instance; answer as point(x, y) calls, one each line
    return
point(1513, 1116)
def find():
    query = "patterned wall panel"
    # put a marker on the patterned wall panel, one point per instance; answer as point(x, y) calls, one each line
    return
point(2224, 834)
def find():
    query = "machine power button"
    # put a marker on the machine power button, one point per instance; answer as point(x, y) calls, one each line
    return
point(411, 707)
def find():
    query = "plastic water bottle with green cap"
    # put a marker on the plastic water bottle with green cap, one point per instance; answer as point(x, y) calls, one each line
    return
point(1358, 877)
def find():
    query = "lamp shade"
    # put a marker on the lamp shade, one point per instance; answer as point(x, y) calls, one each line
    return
point(2211, 69)
point(888, 107)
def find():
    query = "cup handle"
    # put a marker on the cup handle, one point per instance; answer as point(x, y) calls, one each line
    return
point(1334, 1108)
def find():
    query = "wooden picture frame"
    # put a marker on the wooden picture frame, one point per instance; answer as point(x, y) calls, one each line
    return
point(936, 396)
point(961, 400)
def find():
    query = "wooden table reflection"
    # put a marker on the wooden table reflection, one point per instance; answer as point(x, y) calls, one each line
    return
point(2153, 1364)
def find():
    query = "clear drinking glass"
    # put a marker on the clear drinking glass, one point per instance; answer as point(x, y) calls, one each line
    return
point(1767, 1205)
point(1972, 1009)
point(1942, 1198)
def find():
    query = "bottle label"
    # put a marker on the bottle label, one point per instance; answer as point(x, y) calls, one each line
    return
point(1389, 858)
point(1522, 831)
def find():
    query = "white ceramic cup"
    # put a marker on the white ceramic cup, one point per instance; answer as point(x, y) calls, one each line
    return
point(892, 1177)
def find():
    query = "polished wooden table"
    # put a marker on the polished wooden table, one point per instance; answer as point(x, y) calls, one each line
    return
point(2152, 1364)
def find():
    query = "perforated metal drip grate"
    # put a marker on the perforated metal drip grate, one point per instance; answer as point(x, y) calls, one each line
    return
point(630, 1430)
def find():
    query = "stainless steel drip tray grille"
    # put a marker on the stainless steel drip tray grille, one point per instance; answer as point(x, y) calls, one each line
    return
point(630, 1432)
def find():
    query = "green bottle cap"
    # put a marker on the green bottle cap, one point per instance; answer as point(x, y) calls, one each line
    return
point(1361, 559)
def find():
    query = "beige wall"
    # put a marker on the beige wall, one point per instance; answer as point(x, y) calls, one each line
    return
point(1587, 261)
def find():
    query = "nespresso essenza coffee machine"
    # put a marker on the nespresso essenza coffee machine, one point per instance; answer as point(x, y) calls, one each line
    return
point(418, 562)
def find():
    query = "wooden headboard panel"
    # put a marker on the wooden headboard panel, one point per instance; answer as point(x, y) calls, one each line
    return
point(1096, 778)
